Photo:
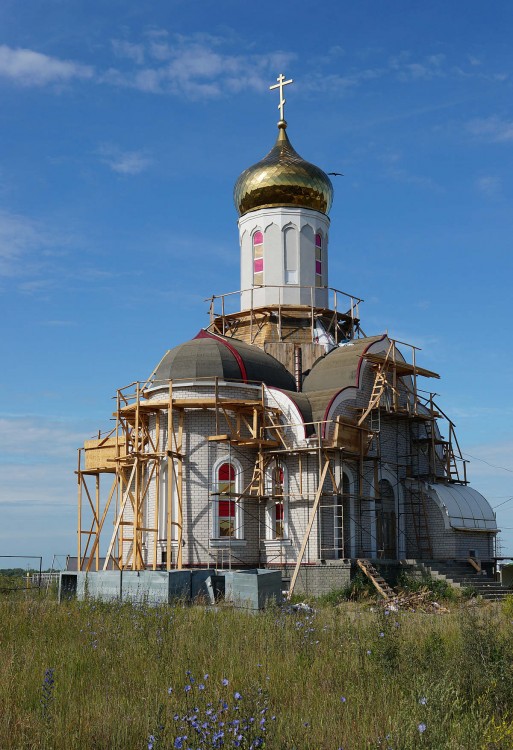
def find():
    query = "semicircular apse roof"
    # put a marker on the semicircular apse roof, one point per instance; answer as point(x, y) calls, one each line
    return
point(463, 507)
point(210, 355)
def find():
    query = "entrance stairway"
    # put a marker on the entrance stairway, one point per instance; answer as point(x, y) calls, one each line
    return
point(461, 574)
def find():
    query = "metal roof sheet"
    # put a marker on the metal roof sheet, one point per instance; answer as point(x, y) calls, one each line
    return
point(463, 507)
point(210, 355)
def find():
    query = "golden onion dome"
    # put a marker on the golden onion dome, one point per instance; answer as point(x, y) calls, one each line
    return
point(283, 178)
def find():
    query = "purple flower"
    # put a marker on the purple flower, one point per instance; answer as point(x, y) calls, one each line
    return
point(421, 728)
point(224, 681)
point(187, 688)
point(342, 699)
point(169, 691)
point(422, 701)
point(237, 696)
point(382, 635)
point(201, 686)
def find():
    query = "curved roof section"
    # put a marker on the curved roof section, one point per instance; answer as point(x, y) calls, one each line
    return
point(302, 402)
point(340, 367)
point(209, 355)
point(283, 178)
point(463, 507)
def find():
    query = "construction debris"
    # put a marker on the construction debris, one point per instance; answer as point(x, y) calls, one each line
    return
point(419, 601)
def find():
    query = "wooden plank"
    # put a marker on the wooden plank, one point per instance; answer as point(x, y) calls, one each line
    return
point(401, 368)
point(372, 578)
point(308, 529)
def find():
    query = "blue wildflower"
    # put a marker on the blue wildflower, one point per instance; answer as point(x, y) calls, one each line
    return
point(422, 728)
point(237, 696)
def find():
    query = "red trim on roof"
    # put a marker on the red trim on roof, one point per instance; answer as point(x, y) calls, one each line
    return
point(357, 385)
point(207, 335)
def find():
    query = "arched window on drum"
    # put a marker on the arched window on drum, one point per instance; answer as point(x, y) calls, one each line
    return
point(258, 259)
point(318, 259)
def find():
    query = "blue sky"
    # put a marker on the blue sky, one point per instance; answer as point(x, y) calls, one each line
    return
point(123, 127)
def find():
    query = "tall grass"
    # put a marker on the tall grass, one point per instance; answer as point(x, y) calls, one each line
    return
point(97, 677)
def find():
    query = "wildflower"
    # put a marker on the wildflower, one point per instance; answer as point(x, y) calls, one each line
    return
point(382, 635)
point(205, 676)
point(369, 652)
point(169, 690)
point(422, 701)
point(151, 742)
point(224, 681)
point(187, 688)
point(237, 696)
point(201, 686)
point(422, 728)
point(47, 690)
point(342, 699)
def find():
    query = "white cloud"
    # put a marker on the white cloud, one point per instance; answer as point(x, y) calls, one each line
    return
point(492, 128)
point(128, 50)
point(28, 68)
point(195, 66)
point(489, 185)
point(124, 162)
point(429, 67)
point(34, 439)
point(19, 236)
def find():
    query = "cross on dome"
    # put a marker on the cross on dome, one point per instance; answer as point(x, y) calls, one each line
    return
point(281, 83)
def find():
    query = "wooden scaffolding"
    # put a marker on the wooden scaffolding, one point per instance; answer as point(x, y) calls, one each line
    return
point(119, 474)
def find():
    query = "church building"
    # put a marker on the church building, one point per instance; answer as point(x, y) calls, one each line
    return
point(281, 435)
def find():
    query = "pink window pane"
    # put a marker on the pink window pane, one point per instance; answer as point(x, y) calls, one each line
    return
point(259, 265)
point(318, 240)
point(258, 238)
point(318, 267)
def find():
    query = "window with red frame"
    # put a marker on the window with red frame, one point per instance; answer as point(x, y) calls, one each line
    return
point(226, 489)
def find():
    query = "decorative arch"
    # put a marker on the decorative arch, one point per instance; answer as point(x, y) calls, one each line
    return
point(277, 510)
point(344, 511)
point(227, 511)
point(319, 257)
point(389, 515)
point(290, 254)
point(257, 243)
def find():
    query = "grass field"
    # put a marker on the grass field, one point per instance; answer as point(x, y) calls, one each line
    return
point(108, 677)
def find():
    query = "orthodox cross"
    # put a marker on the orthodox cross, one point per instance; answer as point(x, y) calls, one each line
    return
point(281, 83)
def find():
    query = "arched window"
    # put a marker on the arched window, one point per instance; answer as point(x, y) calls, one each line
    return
point(277, 507)
point(258, 259)
point(386, 522)
point(290, 248)
point(318, 259)
point(227, 514)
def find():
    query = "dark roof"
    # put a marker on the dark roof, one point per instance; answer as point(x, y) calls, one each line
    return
point(339, 368)
point(210, 355)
